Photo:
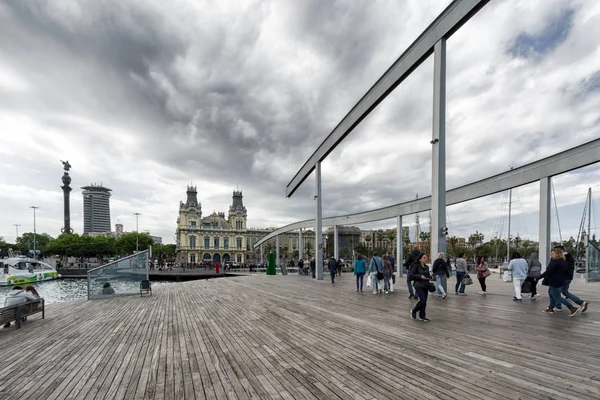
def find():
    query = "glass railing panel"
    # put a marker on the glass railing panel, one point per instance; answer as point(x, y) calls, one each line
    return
point(120, 277)
point(593, 274)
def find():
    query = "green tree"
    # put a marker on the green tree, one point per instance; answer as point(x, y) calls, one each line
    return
point(25, 242)
point(391, 234)
point(379, 238)
point(126, 243)
point(368, 240)
point(452, 245)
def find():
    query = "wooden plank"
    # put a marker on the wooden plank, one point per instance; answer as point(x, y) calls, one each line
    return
point(292, 337)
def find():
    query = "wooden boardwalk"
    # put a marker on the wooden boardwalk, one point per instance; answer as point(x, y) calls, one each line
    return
point(292, 337)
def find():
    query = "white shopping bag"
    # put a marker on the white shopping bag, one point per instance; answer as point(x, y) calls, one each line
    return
point(369, 281)
point(507, 276)
point(391, 286)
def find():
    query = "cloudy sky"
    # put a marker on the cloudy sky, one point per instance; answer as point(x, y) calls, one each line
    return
point(148, 96)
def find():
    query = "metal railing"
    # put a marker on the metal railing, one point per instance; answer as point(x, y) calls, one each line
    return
point(120, 277)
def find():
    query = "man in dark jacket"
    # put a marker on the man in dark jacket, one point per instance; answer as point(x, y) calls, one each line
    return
point(410, 260)
point(332, 268)
point(571, 273)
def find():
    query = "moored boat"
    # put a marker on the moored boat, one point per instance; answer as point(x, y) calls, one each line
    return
point(24, 271)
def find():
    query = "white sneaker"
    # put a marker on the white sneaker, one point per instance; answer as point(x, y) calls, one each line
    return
point(482, 293)
point(386, 292)
point(535, 297)
point(444, 296)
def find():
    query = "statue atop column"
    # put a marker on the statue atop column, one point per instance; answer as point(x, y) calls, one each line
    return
point(66, 179)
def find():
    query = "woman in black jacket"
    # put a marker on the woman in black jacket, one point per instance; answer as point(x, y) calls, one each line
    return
point(419, 274)
point(557, 275)
point(441, 273)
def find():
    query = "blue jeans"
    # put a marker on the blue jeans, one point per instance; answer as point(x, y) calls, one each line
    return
point(409, 284)
point(439, 280)
point(556, 299)
point(332, 273)
point(569, 295)
point(459, 278)
point(359, 279)
point(386, 281)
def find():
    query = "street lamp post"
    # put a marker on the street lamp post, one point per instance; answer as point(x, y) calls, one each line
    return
point(34, 232)
point(17, 226)
point(137, 235)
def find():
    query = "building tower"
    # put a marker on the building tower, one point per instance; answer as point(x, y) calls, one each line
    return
point(96, 209)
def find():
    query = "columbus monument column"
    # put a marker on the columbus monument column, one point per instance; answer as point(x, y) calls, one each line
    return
point(66, 179)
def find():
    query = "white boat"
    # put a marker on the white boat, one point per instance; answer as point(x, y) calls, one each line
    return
point(25, 271)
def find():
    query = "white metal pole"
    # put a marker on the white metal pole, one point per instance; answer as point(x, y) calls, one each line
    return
point(336, 247)
point(438, 142)
point(399, 244)
point(300, 247)
point(544, 221)
point(318, 223)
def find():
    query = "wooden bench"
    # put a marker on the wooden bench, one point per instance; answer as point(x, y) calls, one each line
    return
point(17, 312)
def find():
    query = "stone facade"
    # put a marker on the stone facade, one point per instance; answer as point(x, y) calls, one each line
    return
point(211, 238)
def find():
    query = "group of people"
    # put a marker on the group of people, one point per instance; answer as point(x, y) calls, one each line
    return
point(421, 280)
point(18, 295)
point(558, 277)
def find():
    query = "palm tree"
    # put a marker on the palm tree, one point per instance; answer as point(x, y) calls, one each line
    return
point(308, 247)
point(368, 240)
point(379, 238)
point(453, 242)
point(391, 236)
point(351, 241)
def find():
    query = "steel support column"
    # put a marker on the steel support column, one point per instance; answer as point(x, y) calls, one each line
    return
point(276, 251)
point(399, 244)
point(262, 254)
point(318, 223)
point(438, 142)
point(336, 247)
point(300, 246)
point(545, 208)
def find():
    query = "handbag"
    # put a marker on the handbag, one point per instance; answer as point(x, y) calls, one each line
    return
point(394, 278)
point(431, 287)
point(369, 281)
point(467, 281)
point(486, 273)
point(507, 276)
point(545, 282)
point(526, 287)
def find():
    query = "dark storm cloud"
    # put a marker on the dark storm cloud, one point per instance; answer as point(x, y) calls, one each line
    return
point(148, 96)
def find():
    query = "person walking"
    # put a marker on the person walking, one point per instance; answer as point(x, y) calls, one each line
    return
point(557, 275)
point(313, 266)
point(360, 267)
point(332, 264)
point(482, 273)
point(461, 273)
point(376, 271)
point(419, 274)
point(571, 273)
point(440, 271)
point(534, 271)
point(519, 269)
point(411, 258)
point(387, 274)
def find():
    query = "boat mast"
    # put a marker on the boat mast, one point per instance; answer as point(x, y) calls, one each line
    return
point(587, 242)
point(508, 237)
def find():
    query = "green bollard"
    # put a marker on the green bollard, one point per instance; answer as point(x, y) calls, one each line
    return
point(271, 264)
